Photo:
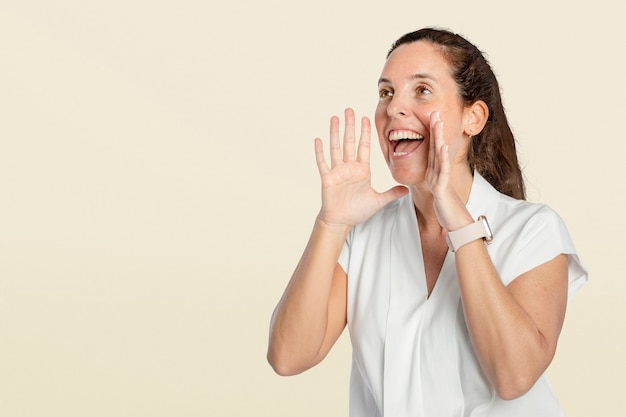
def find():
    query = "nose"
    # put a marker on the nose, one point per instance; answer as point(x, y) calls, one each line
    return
point(398, 106)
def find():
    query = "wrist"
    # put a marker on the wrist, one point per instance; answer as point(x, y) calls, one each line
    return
point(332, 227)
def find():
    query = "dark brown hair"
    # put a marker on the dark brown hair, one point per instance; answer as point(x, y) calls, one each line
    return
point(492, 152)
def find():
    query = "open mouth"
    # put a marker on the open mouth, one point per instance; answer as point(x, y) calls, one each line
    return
point(403, 142)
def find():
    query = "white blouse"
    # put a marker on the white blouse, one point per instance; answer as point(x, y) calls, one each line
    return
point(412, 354)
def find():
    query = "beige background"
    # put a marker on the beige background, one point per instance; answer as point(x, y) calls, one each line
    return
point(157, 186)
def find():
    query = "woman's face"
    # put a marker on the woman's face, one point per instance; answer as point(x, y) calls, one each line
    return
point(416, 81)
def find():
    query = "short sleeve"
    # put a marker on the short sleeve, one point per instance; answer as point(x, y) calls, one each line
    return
point(542, 238)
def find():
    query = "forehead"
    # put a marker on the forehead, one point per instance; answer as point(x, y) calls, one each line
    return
point(420, 57)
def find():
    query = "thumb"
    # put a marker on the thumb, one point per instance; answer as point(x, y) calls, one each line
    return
point(393, 194)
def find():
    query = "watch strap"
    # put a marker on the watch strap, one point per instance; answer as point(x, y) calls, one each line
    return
point(474, 231)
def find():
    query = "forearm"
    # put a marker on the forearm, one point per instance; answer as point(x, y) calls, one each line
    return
point(509, 345)
point(300, 323)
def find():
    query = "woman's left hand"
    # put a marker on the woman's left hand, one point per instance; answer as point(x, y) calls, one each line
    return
point(449, 207)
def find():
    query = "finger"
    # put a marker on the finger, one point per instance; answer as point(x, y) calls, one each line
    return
point(363, 154)
point(444, 162)
point(432, 149)
point(439, 144)
point(349, 136)
point(322, 166)
point(393, 194)
point(335, 146)
point(431, 145)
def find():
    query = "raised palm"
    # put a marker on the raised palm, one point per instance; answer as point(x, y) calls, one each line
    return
point(347, 195)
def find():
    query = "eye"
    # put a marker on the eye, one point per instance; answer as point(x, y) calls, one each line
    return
point(385, 94)
point(423, 90)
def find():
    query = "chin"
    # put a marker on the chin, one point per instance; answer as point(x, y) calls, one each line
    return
point(408, 177)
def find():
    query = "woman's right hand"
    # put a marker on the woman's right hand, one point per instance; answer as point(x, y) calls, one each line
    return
point(347, 195)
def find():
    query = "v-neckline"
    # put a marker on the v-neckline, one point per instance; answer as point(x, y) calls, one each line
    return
point(436, 270)
point(423, 280)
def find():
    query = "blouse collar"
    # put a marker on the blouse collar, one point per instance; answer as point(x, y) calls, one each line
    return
point(483, 198)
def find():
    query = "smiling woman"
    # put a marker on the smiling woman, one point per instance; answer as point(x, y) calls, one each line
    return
point(448, 315)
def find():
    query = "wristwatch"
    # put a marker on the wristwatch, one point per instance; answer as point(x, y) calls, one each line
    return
point(477, 230)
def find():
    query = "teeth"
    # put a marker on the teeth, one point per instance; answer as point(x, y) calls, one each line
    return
point(400, 153)
point(397, 135)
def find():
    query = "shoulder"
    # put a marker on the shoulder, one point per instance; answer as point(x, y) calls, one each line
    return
point(381, 225)
point(387, 216)
point(527, 235)
point(528, 220)
point(366, 239)
point(504, 212)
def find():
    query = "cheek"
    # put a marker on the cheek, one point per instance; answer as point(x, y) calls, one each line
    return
point(458, 144)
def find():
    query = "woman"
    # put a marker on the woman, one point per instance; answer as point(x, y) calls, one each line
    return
point(453, 287)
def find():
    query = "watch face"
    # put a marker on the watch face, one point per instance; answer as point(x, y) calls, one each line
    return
point(489, 236)
point(449, 242)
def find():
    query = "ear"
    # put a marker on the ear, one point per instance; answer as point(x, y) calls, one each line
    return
point(475, 115)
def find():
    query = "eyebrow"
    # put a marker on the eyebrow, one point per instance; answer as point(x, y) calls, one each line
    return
point(418, 76)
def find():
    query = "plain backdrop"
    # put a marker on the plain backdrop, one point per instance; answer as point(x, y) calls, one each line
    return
point(158, 184)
